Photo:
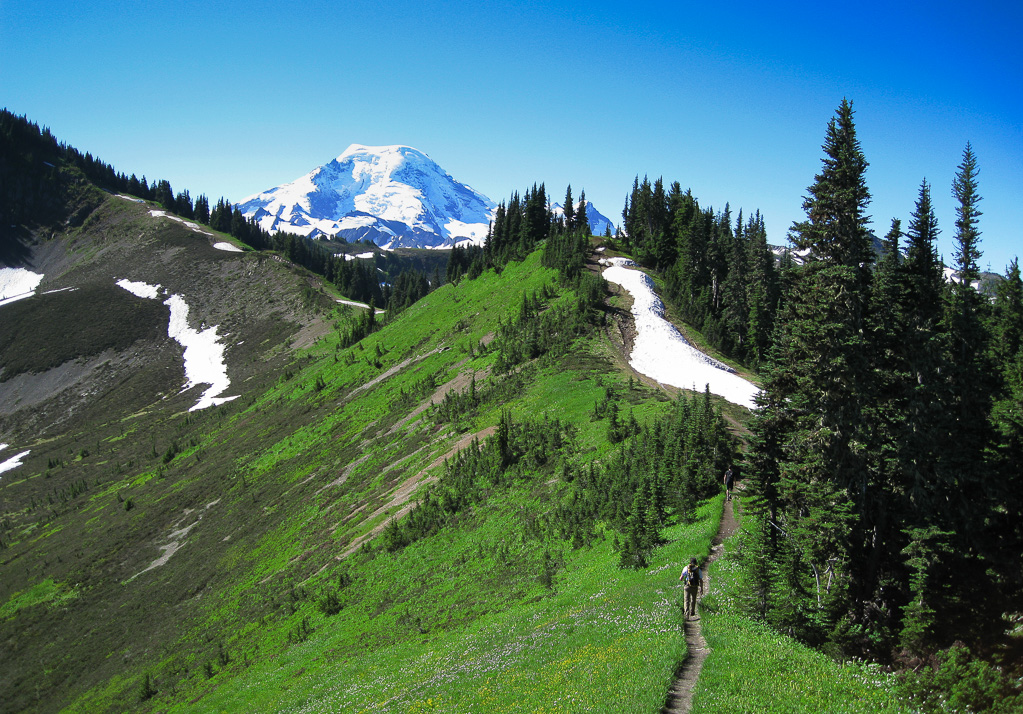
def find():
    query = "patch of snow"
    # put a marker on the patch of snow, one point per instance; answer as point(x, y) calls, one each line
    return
point(187, 224)
point(229, 247)
point(17, 283)
point(204, 354)
point(798, 256)
point(13, 462)
point(140, 289)
point(360, 304)
point(475, 233)
point(952, 276)
point(662, 353)
point(130, 198)
point(360, 256)
point(358, 221)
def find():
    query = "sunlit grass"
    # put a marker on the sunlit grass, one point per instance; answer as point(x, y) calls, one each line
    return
point(753, 669)
point(45, 592)
point(464, 632)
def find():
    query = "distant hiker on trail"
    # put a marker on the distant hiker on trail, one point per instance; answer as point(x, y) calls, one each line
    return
point(729, 482)
point(692, 577)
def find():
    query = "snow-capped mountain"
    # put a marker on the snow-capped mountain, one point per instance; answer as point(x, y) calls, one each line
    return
point(598, 222)
point(395, 196)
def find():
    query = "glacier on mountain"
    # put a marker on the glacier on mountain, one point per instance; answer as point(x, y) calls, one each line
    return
point(394, 196)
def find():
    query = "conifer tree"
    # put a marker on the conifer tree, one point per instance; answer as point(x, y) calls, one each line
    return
point(183, 205)
point(1006, 528)
point(964, 189)
point(922, 355)
point(889, 439)
point(202, 209)
point(922, 267)
point(164, 195)
point(836, 227)
point(969, 372)
point(1007, 318)
point(763, 290)
point(569, 209)
point(582, 221)
point(735, 296)
point(810, 478)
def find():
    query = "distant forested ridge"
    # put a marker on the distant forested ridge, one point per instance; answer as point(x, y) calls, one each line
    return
point(40, 178)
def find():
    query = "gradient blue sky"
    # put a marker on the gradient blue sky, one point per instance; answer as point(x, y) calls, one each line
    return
point(731, 99)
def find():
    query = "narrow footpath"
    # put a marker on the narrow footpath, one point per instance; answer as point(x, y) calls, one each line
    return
point(680, 696)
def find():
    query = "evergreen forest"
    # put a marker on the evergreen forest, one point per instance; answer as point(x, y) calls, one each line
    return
point(884, 455)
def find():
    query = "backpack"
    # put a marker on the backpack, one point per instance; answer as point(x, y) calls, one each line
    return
point(692, 577)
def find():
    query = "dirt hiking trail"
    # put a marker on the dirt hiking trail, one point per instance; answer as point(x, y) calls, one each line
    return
point(680, 695)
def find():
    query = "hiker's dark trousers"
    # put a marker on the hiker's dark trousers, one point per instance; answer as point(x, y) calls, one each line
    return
point(691, 601)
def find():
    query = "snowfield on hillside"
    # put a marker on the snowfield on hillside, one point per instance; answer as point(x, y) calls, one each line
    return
point(661, 352)
point(17, 283)
point(190, 225)
point(952, 276)
point(13, 462)
point(204, 353)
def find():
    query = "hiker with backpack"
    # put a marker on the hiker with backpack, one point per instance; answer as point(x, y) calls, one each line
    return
point(729, 482)
point(692, 579)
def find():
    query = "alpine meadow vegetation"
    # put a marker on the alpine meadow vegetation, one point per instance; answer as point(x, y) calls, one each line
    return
point(467, 500)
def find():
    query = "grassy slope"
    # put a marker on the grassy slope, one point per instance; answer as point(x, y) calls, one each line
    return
point(477, 633)
point(273, 523)
point(753, 669)
point(96, 499)
point(264, 497)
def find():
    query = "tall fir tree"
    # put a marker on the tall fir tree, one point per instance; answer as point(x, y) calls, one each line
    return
point(582, 221)
point(569, 209)
point(763, 290)
point(964, 190)
point(923, 352)
point(969, 373)
point(1006, 528)
point(811, 482)
point(922, 267)
point(1006, 325)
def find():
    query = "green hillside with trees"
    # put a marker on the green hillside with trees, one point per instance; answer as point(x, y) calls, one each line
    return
point(472, 503)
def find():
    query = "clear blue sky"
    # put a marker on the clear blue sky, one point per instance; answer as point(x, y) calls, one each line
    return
point(731, 99)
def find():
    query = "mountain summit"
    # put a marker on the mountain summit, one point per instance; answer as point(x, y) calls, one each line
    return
point(395, 196)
